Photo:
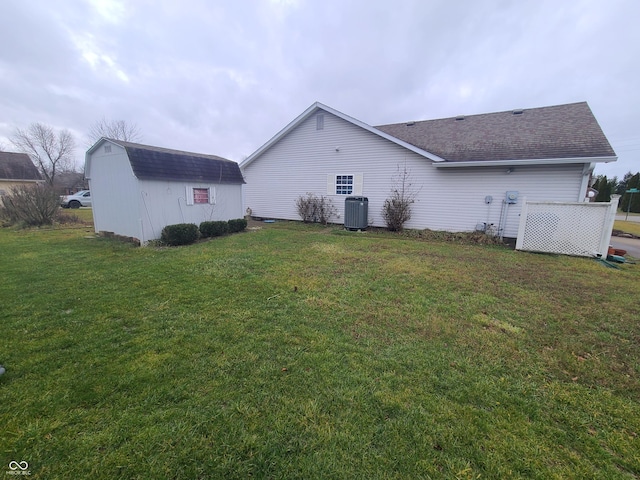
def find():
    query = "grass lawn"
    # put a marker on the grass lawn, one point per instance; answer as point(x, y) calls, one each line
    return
point(628, 227)
point(299, 351)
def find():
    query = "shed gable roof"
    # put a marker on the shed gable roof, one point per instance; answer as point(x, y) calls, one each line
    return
point(557, 132)
point(156, 163)
point(17, 166)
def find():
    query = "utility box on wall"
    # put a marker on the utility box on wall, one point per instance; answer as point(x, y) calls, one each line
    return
point(356, 213)
point(512, 197)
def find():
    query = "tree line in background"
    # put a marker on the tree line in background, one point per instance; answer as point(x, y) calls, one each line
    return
point(607, 187)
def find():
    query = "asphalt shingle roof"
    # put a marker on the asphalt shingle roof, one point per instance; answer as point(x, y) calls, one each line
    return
point(562, 131)
point(17, 166)
point(156, 163)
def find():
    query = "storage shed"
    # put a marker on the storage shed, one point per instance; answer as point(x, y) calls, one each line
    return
point(139, 189)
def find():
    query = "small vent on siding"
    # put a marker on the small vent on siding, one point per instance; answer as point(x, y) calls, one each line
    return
point(107, 149)
point(320, 122)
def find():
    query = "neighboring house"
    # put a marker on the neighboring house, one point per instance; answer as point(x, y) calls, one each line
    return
point(460, 169)
point(17, 169)
point(68, 183)
point(137, 189)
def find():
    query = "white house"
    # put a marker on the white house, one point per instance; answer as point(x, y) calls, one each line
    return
point(461, 169)
point(137, 189)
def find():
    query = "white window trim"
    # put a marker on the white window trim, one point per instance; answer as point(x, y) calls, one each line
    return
point(358, 181)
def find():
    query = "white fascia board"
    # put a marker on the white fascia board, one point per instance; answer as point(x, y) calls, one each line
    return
point(533, 161)
point(382, 134)
point(295, 122)
point(319, 106)
point(29, 180)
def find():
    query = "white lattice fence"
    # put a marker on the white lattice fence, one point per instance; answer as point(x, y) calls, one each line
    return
point(580, 229)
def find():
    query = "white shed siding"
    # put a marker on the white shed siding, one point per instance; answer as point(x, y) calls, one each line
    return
point(447, 199)
point(113, 189)
point(142, 208)
point(164, 203)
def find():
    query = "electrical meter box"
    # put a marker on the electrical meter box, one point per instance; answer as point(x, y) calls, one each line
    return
point(512, 197)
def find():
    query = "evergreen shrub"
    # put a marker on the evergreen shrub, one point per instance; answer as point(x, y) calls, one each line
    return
point(213, 228)
point(179, 234)
point(237, 225)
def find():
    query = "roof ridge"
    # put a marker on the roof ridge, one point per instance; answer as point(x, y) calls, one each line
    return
point(502, 112)
point(153, 148)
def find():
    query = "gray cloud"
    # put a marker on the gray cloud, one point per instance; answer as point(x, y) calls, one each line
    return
point(223, 77)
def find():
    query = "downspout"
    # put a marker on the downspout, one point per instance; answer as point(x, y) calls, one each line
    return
point(587, 169)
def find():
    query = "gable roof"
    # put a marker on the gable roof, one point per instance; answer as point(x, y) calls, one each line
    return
point(557, 134)
point(17, 166)
point(547, 133)
point(157, 163)
point(319, 106)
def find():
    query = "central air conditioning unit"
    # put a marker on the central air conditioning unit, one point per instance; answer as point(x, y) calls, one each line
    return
point(356, 213)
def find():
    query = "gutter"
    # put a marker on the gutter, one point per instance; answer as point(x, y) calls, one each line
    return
point(512, 163)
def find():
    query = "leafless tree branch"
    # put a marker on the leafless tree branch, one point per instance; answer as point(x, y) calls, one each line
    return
point(50, 152)
point(116, 129)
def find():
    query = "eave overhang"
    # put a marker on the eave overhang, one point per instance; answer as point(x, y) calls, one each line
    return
point(533, 161)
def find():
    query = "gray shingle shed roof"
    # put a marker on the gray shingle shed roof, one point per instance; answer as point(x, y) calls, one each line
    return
point(17, 166)
point(562, 131)
point(156, 163)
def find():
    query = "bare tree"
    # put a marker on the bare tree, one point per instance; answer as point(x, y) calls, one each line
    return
point(116, 129)
point(396, 210)
point(50, 151)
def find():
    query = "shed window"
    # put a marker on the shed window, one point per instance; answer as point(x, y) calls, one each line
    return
point(200, 195)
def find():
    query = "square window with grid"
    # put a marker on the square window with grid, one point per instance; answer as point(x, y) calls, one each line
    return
point(344, 184)
point(200, 195)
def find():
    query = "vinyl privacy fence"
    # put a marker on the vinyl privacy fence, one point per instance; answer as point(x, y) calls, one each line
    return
point(578, 229)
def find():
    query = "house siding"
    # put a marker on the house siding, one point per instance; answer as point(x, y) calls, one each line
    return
point(446, 199)
point(7, 185)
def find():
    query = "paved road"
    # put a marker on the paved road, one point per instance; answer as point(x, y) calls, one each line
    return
point(632, 218)
point(631, 245)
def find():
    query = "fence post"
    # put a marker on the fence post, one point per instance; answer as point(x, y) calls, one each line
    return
point(607, 228)
point(523, 224)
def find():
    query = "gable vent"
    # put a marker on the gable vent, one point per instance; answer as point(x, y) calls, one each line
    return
point(107, 149)
point(518, 112)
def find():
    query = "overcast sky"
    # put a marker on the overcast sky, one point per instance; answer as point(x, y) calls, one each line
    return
point(222, 77)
